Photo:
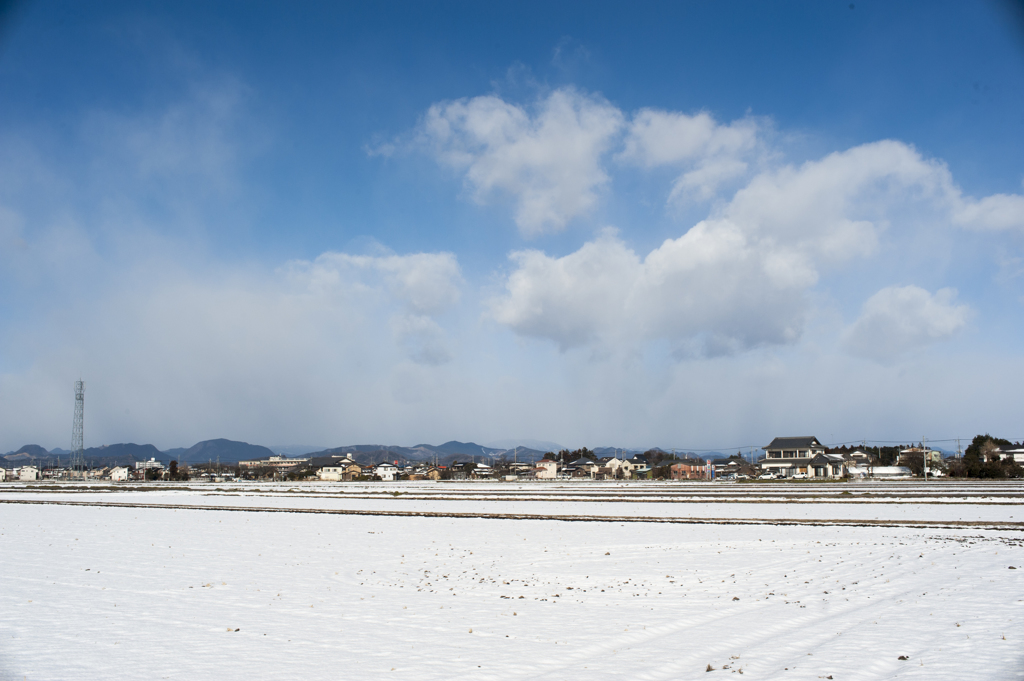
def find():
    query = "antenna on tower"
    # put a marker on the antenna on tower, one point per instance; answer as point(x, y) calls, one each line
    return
point(77, 435)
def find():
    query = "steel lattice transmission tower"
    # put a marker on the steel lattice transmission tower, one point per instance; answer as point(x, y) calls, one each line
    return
point(77, 434)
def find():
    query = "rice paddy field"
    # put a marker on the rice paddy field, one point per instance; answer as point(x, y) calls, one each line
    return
point(559, 580)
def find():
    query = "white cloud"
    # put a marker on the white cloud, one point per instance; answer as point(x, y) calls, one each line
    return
point(707, 292)
point(716, 153)
point(999, 211)
point(657, 138)
point(423, 285)
point(551, 161)
point(174, 356)
point(741, 278)
point(422, 338)
point(900, 319)
point(547, 160)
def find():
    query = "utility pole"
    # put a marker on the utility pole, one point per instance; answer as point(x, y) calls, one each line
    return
point(924, 455)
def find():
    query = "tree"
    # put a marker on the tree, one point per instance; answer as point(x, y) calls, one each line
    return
point(174, 470)
point(981, 459)
point(663, 472)
point(565, 456)
point(914, 461)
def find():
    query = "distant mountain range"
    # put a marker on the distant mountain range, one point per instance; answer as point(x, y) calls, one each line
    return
point(227, 451)
point(539, 445)
point(440, 454)
point(231, 452)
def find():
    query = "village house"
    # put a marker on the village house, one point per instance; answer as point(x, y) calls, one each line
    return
point(584, 467)
point(789, 456)
point(827, 466)
point(546, 469)
point(28, 474)
point(1015, 452)
point(482, 470)
point(644, 472)
point(689, 469)
point(915, 453)
point(425, 473)
point(385, 471)
point(120, 474)
point(733, 466)
point(610, 467)
point(332, 473)
point(337, 468)
point(461, 470)
point(631, 466)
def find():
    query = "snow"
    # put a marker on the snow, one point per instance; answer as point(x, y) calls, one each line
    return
point(140, 591)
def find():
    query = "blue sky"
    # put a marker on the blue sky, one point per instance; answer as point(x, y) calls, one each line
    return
point(693, 225)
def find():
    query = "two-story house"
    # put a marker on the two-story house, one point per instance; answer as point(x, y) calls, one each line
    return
point(788, 456)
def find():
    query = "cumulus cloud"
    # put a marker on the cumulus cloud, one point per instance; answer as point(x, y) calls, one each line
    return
point(741, 278)
point(999, 211)
point(547, 159)
point(708, 292)
point(900, 319)
point(715, 153)
point(551, 159)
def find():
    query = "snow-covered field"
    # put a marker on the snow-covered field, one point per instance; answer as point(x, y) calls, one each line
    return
point(161, 587)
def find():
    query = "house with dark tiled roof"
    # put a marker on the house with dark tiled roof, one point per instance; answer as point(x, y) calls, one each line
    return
point(1015, 452)
point(790, 456)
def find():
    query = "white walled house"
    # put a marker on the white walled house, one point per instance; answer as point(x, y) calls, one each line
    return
point(385, 471)
point(119, 474)
point(28, 474)
point(331, 473)
point(632, 466)
point(546, 469)
point(3, 475)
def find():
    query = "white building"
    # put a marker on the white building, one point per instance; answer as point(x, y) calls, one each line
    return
point(28, 473)
point(890, 472)
point(278, 462)
point(3, 475)
point(145, 465)
point(338, 471)
point(120, 474)
point(386, 471)
point(1015, 452)
point(546, 469)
